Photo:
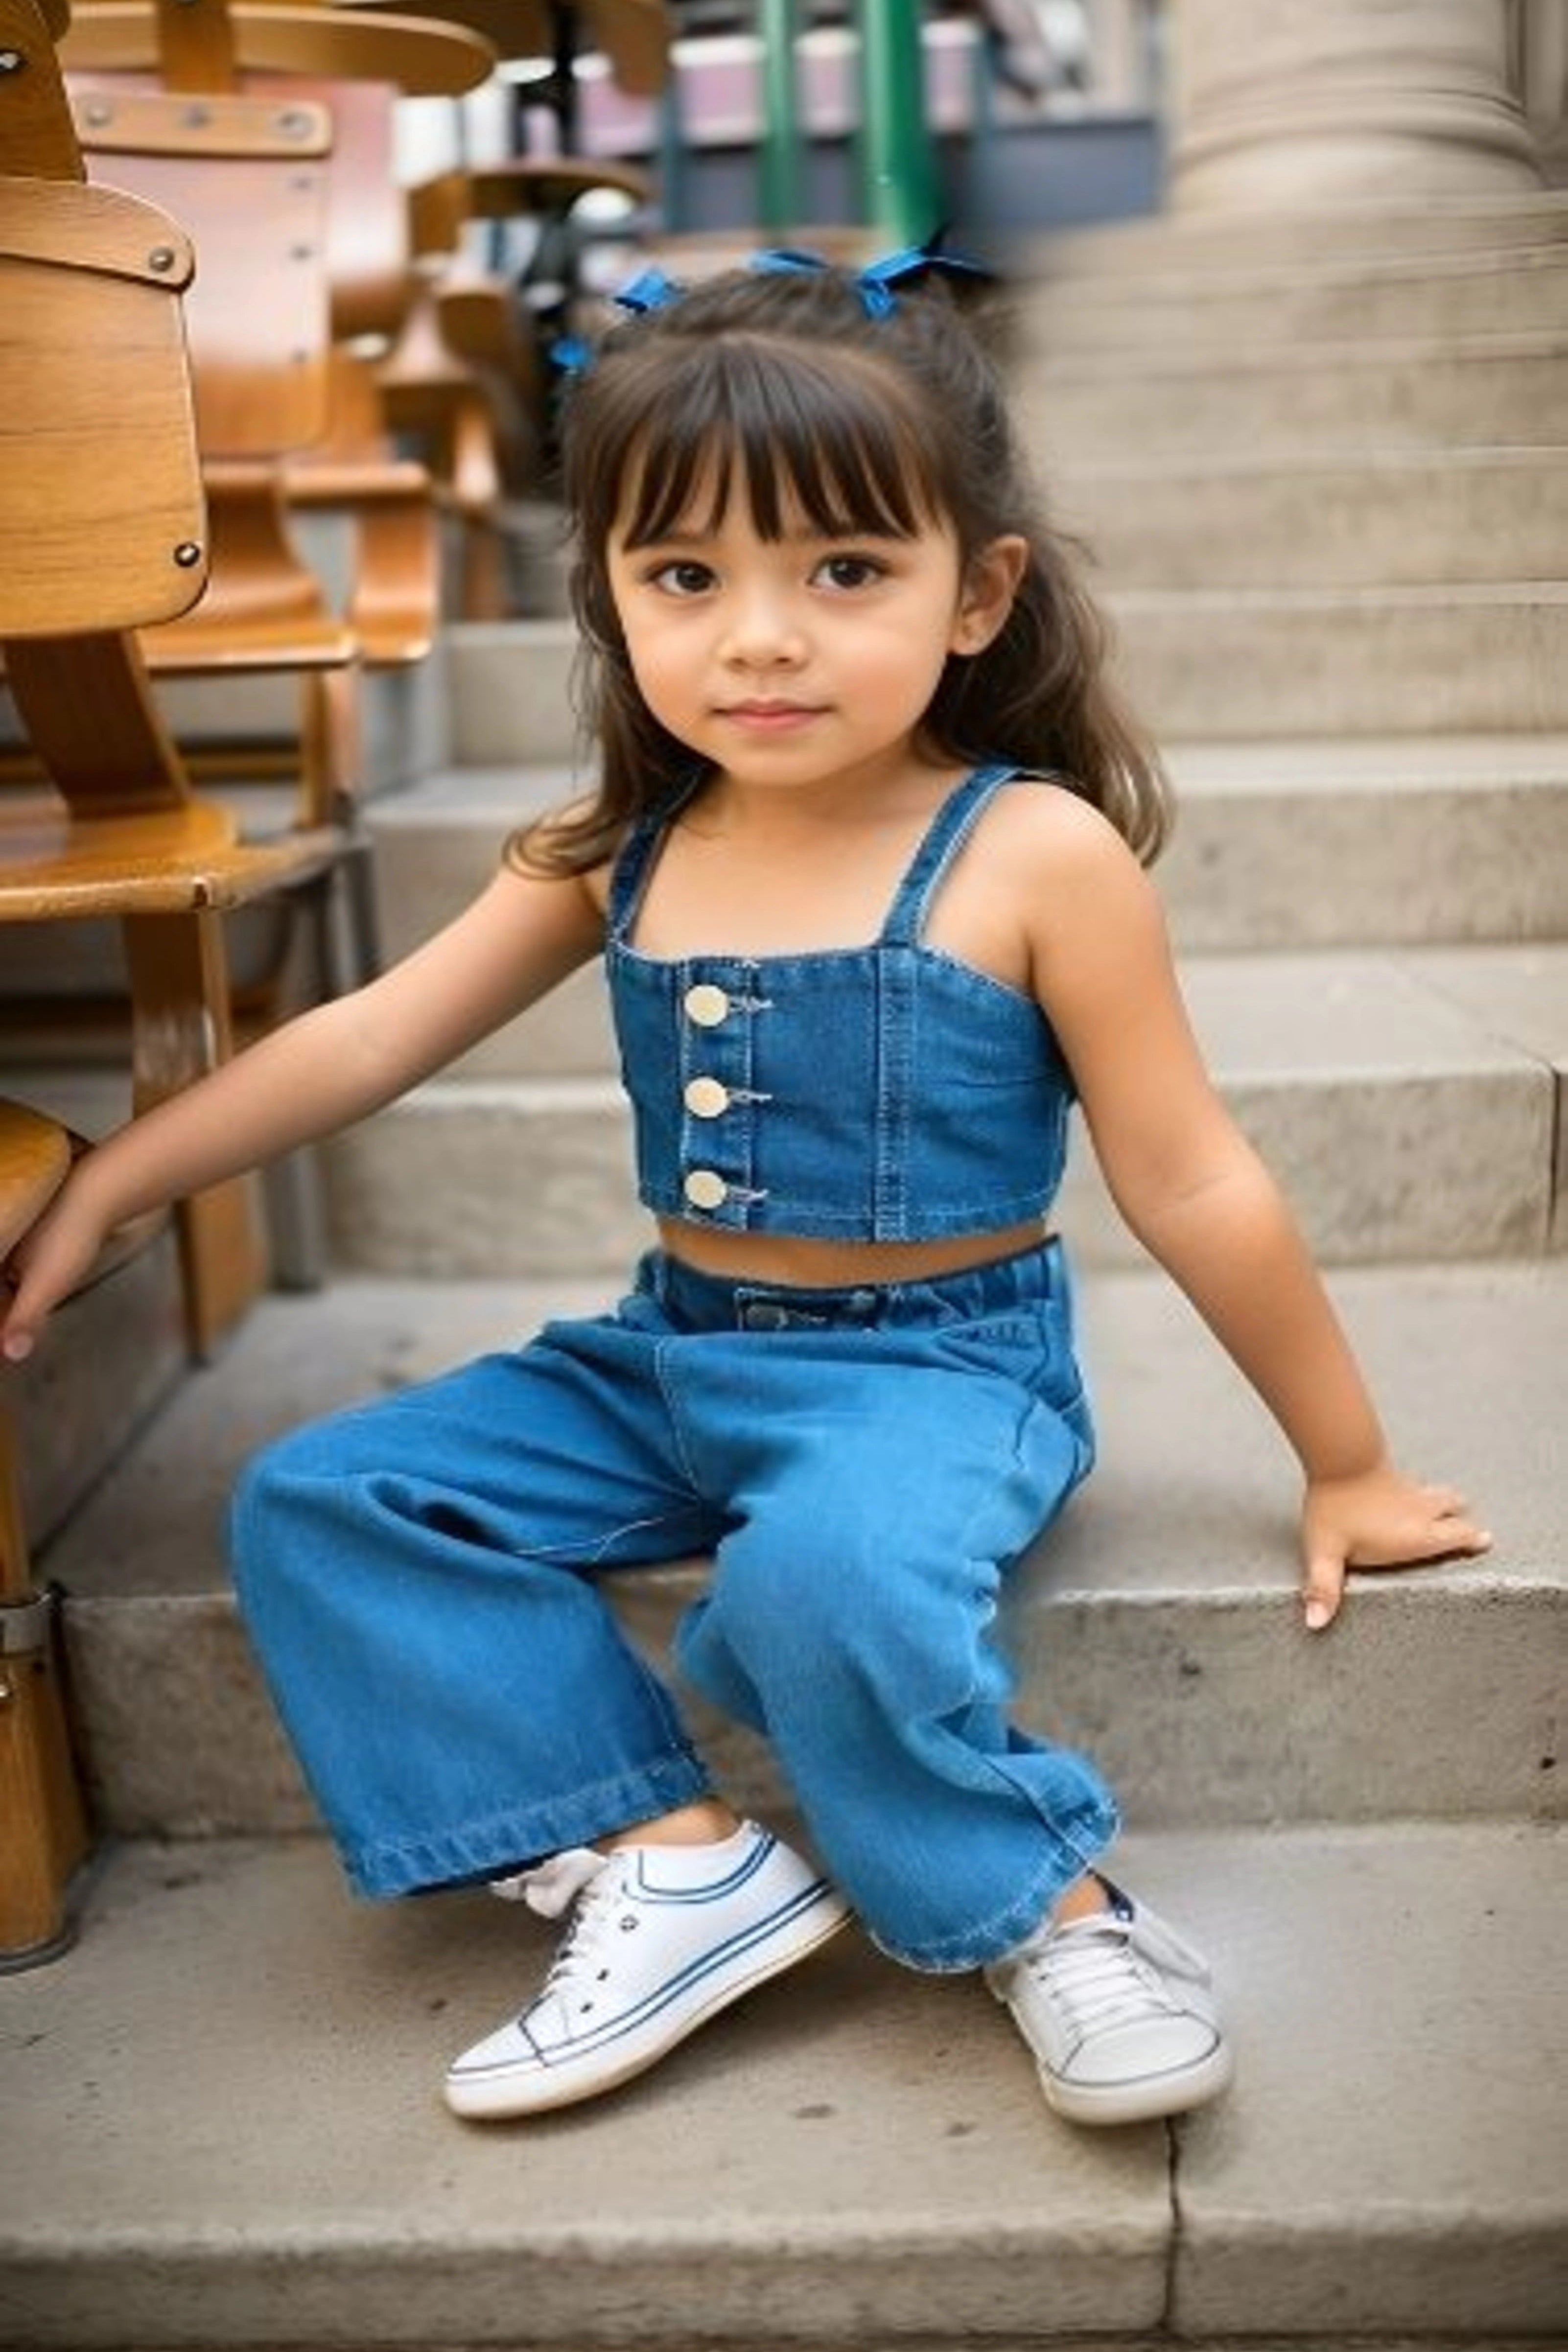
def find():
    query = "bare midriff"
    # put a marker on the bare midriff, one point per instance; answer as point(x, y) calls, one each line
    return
point(807, 1264)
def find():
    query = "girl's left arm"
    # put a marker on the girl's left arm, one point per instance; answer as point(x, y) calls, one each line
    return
point(1198, 1197)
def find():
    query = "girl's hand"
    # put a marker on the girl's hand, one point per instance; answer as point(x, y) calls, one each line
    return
point(53, 1259)
point(1379, 1520)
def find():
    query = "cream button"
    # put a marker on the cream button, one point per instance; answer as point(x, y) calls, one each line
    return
point(706, 1004)
point(705, 1188)
point(706, 1099)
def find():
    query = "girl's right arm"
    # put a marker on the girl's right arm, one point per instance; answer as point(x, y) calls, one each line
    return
point(319, 1073)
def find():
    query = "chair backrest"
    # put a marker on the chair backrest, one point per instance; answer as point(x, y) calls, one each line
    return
point(35, 137)
point(632, 35)
point(103, 520)
point(421, 59)
point(249, 179)
point(357, 68)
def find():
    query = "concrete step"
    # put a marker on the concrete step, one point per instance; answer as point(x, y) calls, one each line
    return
point(1228, 663)
point(1277, 844)
point(1489, 658)
point(1157, 1626)
point(1483, 291)
point(1355, 396)
point(1403, 518)
point(223, 2130)
point(1356, 231)
point(1363, 1077)
point(509, 692)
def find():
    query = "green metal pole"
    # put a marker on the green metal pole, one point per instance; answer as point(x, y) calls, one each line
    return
point(898, 167)
point(779, 192)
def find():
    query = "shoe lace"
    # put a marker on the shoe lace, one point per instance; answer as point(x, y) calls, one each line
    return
point(593, 1886)
point(1096, 1978)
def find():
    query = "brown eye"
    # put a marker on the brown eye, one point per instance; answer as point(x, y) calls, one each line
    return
point(684, 579)
point(849, 572)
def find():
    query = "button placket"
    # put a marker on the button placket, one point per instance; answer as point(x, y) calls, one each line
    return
point(716, 1098)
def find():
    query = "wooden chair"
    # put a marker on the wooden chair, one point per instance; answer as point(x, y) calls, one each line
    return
point(47, 1832)
point(502, 325)
point(40, 1802)
point(249, 175)
point(285, 182)
point(299, 56)
point(102, 533)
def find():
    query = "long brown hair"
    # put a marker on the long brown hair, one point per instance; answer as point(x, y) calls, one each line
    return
point(783, 387)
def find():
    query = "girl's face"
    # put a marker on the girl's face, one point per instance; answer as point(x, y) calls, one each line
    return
point(800, 661)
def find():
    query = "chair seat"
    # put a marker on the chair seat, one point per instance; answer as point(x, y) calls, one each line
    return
point(35, 1160)
point(165, 861)
point(36, 1154)
point(225, 637)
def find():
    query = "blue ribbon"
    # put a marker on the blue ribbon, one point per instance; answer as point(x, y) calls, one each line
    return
point(878, 282)
point(649, 291)
point(877, 286)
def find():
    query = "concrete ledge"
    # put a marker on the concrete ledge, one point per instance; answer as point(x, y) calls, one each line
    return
point(1508, 289)
point(1356, 231)
point(510, 691)
point(1475, 659)
point(1352, 397)
point(1394, 518)
point(1408, 840)
point(223, 2130)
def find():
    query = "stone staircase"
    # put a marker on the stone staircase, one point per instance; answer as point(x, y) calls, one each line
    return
point(1335, 558)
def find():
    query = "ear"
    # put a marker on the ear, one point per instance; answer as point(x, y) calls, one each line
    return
point(985, 599)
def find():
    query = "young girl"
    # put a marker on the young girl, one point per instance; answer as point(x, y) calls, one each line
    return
point(863, 864)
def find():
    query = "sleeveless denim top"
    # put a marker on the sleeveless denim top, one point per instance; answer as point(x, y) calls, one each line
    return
point(879, 1093)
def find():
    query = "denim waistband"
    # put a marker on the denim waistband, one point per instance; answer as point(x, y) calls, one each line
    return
point(708, 1302)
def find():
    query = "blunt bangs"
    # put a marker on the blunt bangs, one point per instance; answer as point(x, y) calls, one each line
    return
point(835, 450)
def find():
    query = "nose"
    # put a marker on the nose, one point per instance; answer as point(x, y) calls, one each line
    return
point(764, 629)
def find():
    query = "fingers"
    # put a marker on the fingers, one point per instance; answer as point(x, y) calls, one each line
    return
point(18, 1334)
point(1436, 1526)
point(27, 1302)
point(1323, 1589)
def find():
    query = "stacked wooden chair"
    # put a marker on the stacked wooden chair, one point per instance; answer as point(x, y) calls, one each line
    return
point(103, 536)
point(488, 330)
point(304, 255)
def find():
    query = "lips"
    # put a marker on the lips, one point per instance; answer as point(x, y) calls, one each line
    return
point(769, 718)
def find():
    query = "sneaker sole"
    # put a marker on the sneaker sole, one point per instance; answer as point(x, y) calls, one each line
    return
point(1145, 2101)
point(504, 2095)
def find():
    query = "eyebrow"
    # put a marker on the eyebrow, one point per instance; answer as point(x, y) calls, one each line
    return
point(681, 534)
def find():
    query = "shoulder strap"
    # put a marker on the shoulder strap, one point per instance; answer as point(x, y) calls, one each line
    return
point(948, 831)
point(628, 875)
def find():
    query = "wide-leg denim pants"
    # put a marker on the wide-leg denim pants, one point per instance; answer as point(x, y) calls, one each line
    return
point(423, 1579)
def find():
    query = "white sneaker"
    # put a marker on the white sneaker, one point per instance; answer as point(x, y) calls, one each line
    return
point(662, 1938)
point(1119, 2013)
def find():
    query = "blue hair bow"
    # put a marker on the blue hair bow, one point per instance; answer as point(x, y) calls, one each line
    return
point(649, 291)
point(878, 282)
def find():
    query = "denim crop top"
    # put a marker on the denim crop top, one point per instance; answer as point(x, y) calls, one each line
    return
point(879, 1093)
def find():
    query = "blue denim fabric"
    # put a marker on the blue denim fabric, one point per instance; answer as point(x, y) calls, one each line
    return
point(423, 1578)
point(881, 1093)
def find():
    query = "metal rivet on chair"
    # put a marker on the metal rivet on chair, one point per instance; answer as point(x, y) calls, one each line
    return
point(196, 118)
point(293, 124)
point(187, 553)
point(10, 61)
point(162, 259)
